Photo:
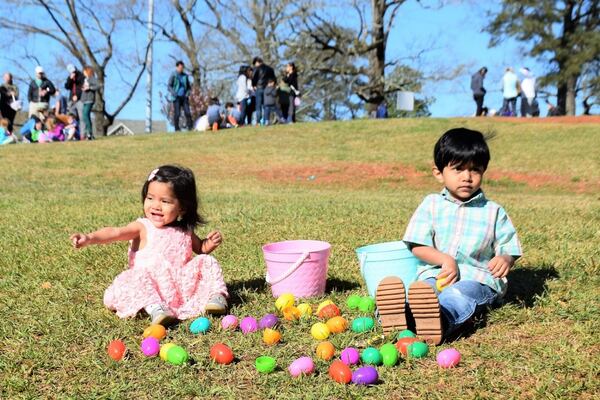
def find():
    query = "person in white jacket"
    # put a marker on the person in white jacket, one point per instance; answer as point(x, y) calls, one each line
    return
point(243, 93)
point(527, 92)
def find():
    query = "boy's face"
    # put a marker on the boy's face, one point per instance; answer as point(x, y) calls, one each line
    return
point(271, 83)
point(461, 181)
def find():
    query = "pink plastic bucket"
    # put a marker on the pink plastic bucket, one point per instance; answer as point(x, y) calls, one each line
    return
point(298, 267)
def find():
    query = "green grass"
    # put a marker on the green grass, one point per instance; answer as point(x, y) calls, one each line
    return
point(543, 343)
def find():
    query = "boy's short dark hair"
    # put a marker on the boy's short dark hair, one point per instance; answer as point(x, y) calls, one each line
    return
point(213, 101)
point(73, 115)
point(229, 105)
point(461, 147)
point(257, 60)
point(178, 63)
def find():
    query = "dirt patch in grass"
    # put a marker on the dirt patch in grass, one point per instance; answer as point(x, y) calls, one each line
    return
point(535, 180)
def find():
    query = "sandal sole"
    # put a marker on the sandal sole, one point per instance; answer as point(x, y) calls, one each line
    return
point(390, 298)
point(425, 308)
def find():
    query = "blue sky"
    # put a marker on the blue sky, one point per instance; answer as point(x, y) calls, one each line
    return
point(451, 34)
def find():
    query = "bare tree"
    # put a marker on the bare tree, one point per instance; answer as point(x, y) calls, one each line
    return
point(87, 31)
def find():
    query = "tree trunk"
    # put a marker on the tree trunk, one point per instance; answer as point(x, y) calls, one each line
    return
point(377, 56)
point(571, 91)
point(561, 98)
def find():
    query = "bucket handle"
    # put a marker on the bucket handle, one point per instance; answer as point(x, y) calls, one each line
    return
point(290, 271)
point(362, 260)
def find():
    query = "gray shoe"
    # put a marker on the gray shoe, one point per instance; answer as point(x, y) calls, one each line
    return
point(163, 316)
point(216, 305)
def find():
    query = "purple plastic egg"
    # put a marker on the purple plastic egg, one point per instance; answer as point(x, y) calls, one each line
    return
point(365, 376)
point(350, 356)
point(229, 322)
point(249, 325)
point(268, 321)
point(302, 365)
point(150, 346)
point(448, 358)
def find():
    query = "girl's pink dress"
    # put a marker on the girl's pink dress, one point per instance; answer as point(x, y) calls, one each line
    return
point(165, 272)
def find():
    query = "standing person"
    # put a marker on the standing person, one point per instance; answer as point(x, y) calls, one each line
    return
point(179, 87)
point(510, 92)
point(291, 79)
point(270, 103)
point(88, 97)
point(40, 90)
point(527, 93)
point(251, 106)
point(74, 85)
point(9, 93)
point(242, 95)
point(260, 78)
point(478, 89)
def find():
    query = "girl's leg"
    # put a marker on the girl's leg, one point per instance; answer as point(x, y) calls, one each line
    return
point(87, 118)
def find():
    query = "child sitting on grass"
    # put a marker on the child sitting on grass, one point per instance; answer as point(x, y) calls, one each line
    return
point(464, 241)
point(164, 278)
point(71, 130)
point(6, 137)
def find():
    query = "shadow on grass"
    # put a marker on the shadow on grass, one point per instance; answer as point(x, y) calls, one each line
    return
point(340, 285)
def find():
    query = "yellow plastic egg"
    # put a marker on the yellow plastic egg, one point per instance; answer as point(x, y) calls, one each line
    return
point(285, 300)
point(320, 331)
point(164, 349)
point(305, 309)
point(337, 324)
point(291, 313)
point(439, 284)
point(323, 304)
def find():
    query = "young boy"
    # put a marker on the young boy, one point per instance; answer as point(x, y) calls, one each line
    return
point(466, 243)
point(270, 102)
point(72, 128)
point(234, 115)
point(214, 113)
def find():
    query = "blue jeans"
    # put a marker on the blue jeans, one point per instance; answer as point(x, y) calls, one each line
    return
point(460, 301)
point(179, 103)
point(269, 110)
point(260, 96)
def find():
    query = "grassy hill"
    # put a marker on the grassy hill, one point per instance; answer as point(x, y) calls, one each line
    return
point(349, 183)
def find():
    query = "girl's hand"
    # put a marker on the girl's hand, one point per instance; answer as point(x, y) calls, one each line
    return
point(449, 271)
point(212, 241)
point(80, 240)
point(499, 266)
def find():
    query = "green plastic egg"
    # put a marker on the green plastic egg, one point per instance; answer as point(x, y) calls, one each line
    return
point(177, 355)
point(366, 305)
point(418, 349)
point(406, 333)
point(389, 354)
point(353, 301)
point(371, 356)
point(362, 324)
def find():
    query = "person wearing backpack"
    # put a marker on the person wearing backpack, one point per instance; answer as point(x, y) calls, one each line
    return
point(179, 87)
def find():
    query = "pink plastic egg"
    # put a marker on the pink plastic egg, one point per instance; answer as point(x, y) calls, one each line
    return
point(229, 322)
point(302, 365)
point(150, 346)
point(248, 325)
point(350, 356)
point(448, 358)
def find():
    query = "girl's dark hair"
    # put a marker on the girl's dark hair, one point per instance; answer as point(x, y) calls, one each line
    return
point(243, 69)
point(291, 64)
point(184, 186)
point(461, 147)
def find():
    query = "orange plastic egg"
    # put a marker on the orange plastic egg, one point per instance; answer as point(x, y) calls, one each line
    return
point(340, 372)
point(271, 336)
point(402, 344)
point(221, 354)
point(325, 351)
point(329, 311)
point(337, 324)
point(291, 313)
point(156, 331)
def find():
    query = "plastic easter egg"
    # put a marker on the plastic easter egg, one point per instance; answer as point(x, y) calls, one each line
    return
point(325, 351)
point(350, 356)
point(305, 310)
point(164, 350)
point(372, 356)
point(366, 305)
point(329, 311)
point(200, 325)
point(221, 354)
point(177, 355)
point(229, 322)
point(389, 354)
point(323, 304)
point(265, 364)
point(271, 336)
point(116, 350)
point(362, 324)
point(353, 301)
point(302, 365)
point(268, 321)
point(337, 324)
point(340, 372)
point(150, 346)
point(156, 331)
point(402, 344)
point(248, 325)
point(365, 376)
point(439, 284)
point(320, 331)
point(291, 313)
point(448, 358)
point(406, 333)
point(285, 300)
point(417, 349)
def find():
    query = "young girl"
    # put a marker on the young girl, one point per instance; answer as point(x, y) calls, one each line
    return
point(164, 278)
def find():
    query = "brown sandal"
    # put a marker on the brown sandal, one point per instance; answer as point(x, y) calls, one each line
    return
point(425, 308)
point(391, 302)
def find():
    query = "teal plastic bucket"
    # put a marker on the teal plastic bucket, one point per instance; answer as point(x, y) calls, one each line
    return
point(378, 261)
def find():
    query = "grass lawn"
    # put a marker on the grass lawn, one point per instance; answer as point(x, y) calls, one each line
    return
point(349, 183)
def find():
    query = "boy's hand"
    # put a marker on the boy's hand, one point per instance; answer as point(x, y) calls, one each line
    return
point(449, 271)
point(499, 266)
point(212, 241)
point(79, 240)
